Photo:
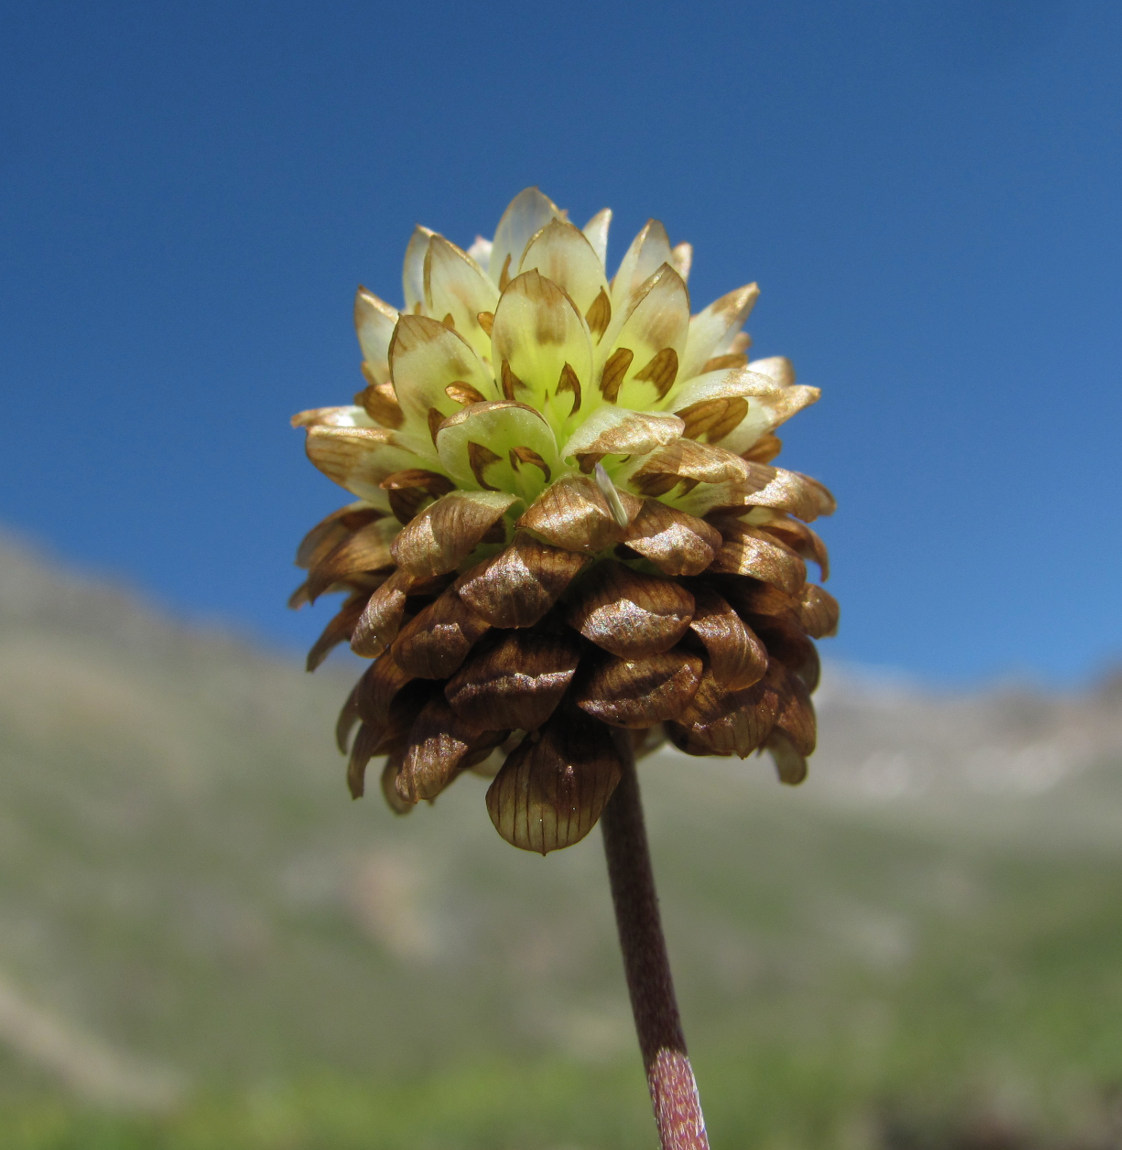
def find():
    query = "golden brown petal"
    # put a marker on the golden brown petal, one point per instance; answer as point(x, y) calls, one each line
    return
point(802, 540)
point(741, 725)
point(337, 631)
point(630, 614)
point(519, 585)
point(574, 514)
point(639, 693)
point(330, 531)
point(448, 531)
point(748, 551)
point(379, 401)
point(676, 542)
point(552, 789)
point(737, 657)
point(790, 765)
point(515, 679)
point(439, 745)
point(818, 612)
point(394, 801)
point(381, 618)
point(434, 643)
point(615, 369)
point(796, 715)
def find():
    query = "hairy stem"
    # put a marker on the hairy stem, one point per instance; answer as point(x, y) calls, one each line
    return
point(677, 1107)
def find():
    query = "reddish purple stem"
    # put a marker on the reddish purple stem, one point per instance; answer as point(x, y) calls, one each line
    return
point(677, 1107)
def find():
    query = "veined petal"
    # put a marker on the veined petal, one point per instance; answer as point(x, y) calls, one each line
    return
point(527, 214)
point(374, 323)
point(426, 359)
point(618, 431)
point(358, 458)
point(564, 255)
point(540, 347)
point(574, 514)
point(502, 446)
point(448, 531)
point(456, 286)
point(710, 327)
point(552, 789)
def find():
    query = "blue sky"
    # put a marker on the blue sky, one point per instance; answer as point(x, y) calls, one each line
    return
point(928, 196)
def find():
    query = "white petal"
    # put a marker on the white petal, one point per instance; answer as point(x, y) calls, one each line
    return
point(456, 285)
point(596, 232)
point(425, 358)
point(715, 326)
point(413, 275)
point(527, 214)
point(563, 254)
point(374, 323)
point(542, 339)
point(648, 251)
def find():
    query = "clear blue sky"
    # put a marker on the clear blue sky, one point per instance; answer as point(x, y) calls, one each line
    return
point(928, 195)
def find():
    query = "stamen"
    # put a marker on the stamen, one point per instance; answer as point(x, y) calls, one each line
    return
point(610, 494)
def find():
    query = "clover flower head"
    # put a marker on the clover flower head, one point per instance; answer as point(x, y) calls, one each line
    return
point(567, 528)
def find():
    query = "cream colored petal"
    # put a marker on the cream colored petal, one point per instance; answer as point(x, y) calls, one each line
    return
point(538, 341)
point(413, 276)
point(374, 323)
point(358, 458)
point(617, 431)
point(480, 251)
point(776, 367)
point(711, 327)
point(654, 332)
point(704, 403)
point(456, 286)
point(425, 359)
point(596, 232)
point(502, 446)
point(350, 416)
point(564, 255)
point(649, 250)
point(681, 260)
point(527, 214)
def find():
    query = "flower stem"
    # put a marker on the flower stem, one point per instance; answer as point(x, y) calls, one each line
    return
point(677, 1107)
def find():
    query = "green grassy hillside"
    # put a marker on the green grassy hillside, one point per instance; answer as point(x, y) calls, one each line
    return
point(204, 942)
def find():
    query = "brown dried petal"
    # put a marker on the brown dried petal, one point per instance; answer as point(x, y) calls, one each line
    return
point(448, 531)
point(630, 614)
point(789, 646)
point(796, 715)
point(337, 631)
point(574, 514)
point(742, 724)
point(519, 585)
point(676, 542)
point(749, 551)
point(437, 639)
point(639, 693)
point(515, 680)
point(394, 801)
point(737, 657)
point(803, 540)
point(818, 612)
point(789, 763)
point(552, 789)
point(330, 532)
point(379, 622)
point(439, 745)
point(366, 550)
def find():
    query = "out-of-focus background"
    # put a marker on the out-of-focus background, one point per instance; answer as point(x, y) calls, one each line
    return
point(202, 942)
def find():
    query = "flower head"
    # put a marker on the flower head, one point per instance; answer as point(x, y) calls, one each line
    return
point(566, 525)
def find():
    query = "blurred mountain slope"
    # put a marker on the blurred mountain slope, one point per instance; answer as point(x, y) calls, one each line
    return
point(187, 891)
